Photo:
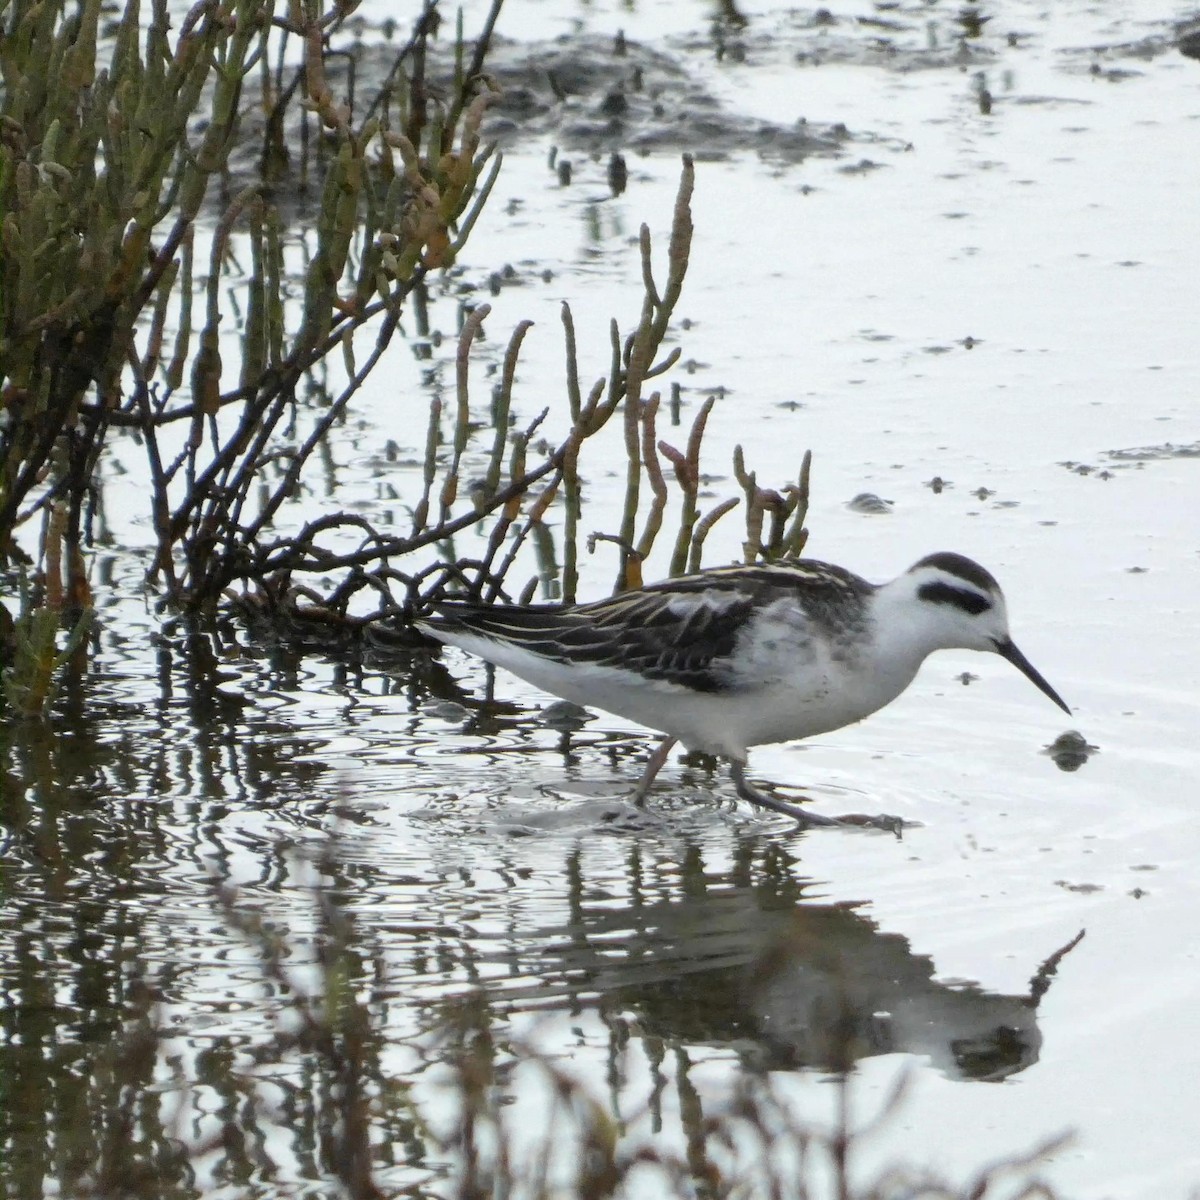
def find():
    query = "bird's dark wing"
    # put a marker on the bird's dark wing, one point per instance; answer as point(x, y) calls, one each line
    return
point(681, 631)
point(639, 631)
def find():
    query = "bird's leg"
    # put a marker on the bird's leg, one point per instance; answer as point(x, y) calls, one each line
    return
point(747, 791)
point(808, 820)
point(653, 765)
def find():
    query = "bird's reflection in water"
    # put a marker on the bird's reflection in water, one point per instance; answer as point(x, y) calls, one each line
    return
point(790, 983)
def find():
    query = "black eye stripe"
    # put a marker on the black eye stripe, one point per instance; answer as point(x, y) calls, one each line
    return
point(945, 593)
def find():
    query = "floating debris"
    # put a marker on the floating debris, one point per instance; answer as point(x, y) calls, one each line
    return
point(448, 710)
point(870, 505)
point(618, 174)
point(565, 716)
point(1084, 889)
point(1070, 750)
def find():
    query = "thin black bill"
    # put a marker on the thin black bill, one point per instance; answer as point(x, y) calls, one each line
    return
point(1009, 650)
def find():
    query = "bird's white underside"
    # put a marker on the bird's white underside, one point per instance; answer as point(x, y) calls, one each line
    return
point(785, 688)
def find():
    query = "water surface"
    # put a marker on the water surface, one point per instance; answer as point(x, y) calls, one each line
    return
point(1004, 302)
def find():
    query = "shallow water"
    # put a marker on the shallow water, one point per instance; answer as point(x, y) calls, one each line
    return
point(478, 849)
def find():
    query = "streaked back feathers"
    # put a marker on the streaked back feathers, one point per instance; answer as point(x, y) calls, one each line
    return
point(683, 630)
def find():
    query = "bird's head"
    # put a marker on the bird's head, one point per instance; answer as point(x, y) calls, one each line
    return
point(959, 606)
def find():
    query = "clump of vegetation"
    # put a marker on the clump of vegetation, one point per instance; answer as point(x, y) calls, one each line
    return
point(122, 210)
point(32, 652)
point(105, 174)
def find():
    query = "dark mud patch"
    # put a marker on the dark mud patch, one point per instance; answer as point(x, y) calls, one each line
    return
point(610, 95)
point(1135, 457)
point(601, 95)
point(901, 41)
point(1163, 40)
point(1166, 450)
point(588, 93)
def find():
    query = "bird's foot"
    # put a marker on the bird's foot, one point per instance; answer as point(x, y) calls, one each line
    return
point(810, 820)
point(884, 821)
